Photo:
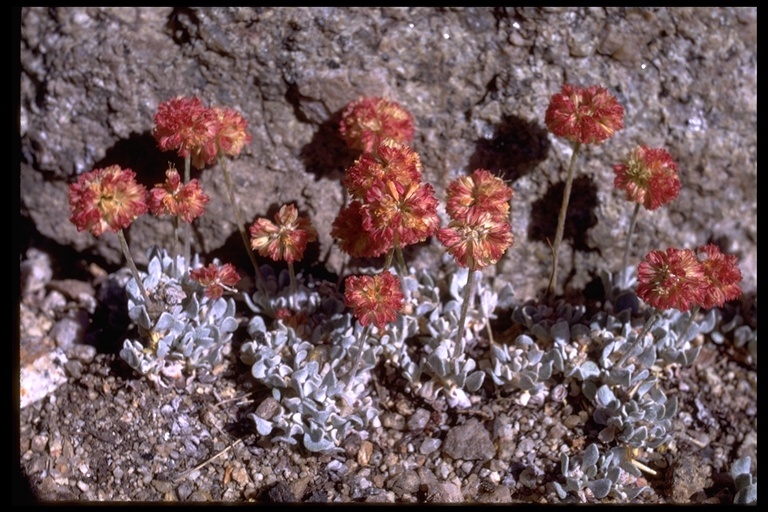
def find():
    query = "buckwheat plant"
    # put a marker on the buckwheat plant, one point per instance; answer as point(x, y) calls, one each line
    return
point(375, 300)
point(583, 116)
point(109, 200)
point(204, 135)
point(682, 279)
point(479, 232)
point(648, 178)
point(195, 325)
point(391, 207)
point(184, 202)
point(285, 239)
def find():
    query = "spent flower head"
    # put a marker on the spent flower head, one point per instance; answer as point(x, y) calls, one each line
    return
point(374, 299)
point(479, 192)
point(367, 122)
point(585, 115)
point(671, 279)
point(186, 125)
point(649, 177)
point(722, 274)
point(286, 238)
point(186, 202)
point(106, 199)
point(215, 279)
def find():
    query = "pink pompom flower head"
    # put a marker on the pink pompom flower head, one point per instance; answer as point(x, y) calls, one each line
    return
point(215, 279)
point(367, 122)
point(671, 279)
point(393, 161)
point(648, 177)
point(585, 115)
point(109, 199)
point(722, 274)
point(353, 239)
point(186, 202)
point(286, 238)
point(184, 124)
point(106, 199)
point(374, 299)
point(478, 240)
point(479, 192)
point(479, 232)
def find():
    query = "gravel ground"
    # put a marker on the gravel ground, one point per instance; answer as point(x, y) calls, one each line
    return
point(103, 434)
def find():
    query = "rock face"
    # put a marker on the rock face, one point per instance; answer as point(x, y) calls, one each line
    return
point(477, 80)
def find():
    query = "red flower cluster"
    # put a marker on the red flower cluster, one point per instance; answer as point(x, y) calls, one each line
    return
point(587, 116)
point(106, 199)
point(199, 132)
point(286, 238)
point(723, 276)
point(216, 279)
point(390, 207)
point(171, 198)
point(374, 299)
point(649, 177)
point(682, 278)
point(368, 122)
point(479, 232)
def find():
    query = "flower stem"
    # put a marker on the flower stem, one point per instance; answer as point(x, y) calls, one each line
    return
point(469, 295)
point(187, 227)
point(292, 275)
point(176, 222)
point(358, 356)
point(561, 220)
point(694, 312)
point(641, 336)
point(132, 265)
point(625, 260)
point(240, 225)
point(401, 260)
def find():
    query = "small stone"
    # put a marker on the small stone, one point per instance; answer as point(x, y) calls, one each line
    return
point(393, 421)
point(365, 452)
point(83, 486)
point(240, 475)
point(430, 445)
point(418, 419)
point(470, 441)
point(38, 443)
point(407, 482)
point(268, 408)
point(162, 486)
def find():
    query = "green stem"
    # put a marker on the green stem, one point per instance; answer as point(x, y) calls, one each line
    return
point(561, 221)
point(401, 260)
point(388, 259)
point(240, 225)
point(469, 294)
point(132, 265)
point(646, 328)
point(625, 260)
